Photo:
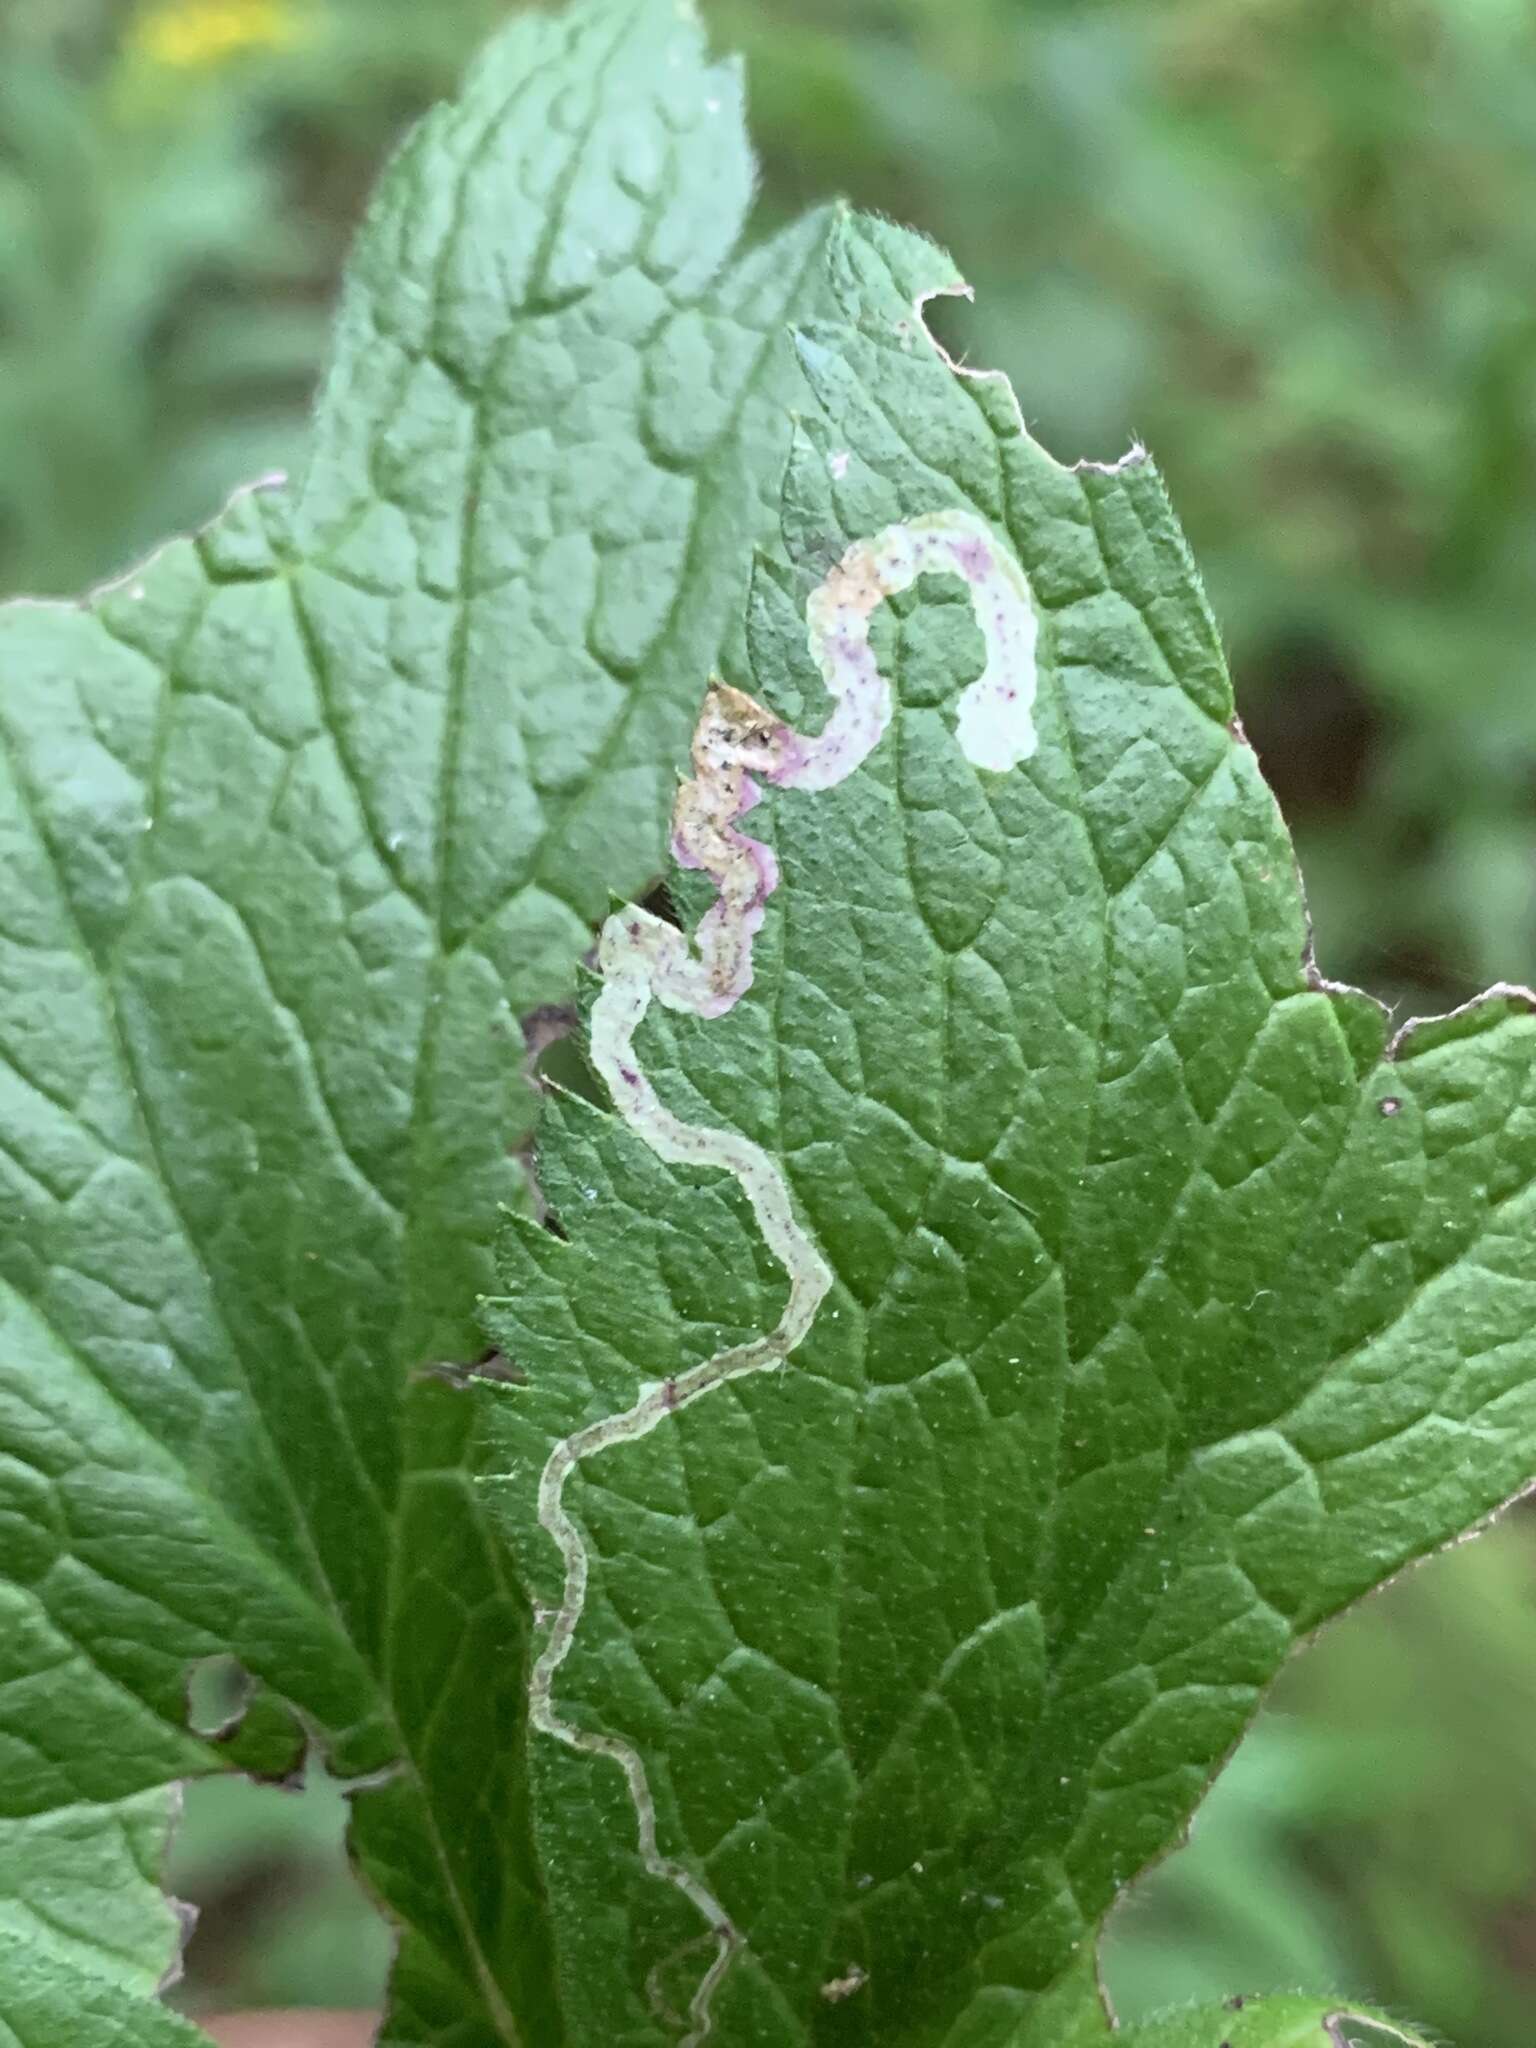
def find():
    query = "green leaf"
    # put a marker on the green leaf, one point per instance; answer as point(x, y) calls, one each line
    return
point(1270, 2023)
point(1148, 1305)
point(49, 2007)
point(297, 820)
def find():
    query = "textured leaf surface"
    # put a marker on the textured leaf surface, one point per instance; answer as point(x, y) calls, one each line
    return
point(46, 2006)
point(1171, 1307)
point(1271, 2023)
point(296, 821)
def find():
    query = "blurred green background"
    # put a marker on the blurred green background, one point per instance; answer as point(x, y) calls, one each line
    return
point(1289, 244)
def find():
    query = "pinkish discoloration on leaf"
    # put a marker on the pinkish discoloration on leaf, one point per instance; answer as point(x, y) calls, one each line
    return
point(737, 747)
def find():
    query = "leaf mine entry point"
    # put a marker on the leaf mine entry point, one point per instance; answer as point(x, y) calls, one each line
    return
point(642, 958)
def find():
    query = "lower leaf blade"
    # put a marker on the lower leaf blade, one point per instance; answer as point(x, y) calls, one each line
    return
point(1270, 2023)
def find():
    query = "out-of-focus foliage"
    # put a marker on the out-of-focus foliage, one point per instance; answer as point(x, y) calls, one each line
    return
point(1291, 245)
point(178, 181)
point(1378, 1828)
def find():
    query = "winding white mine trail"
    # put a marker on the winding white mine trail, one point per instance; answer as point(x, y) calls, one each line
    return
point(643, 959)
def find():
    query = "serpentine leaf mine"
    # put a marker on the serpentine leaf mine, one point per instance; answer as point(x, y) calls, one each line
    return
point(642, 958)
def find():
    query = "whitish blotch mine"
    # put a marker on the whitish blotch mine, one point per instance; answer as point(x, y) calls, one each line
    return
point(737, 747)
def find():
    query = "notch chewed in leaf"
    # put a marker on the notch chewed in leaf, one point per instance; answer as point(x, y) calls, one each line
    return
point(1134, 1304)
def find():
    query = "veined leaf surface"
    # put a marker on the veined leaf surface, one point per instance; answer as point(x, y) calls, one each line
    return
point(298, 820)
point(1169, 1305)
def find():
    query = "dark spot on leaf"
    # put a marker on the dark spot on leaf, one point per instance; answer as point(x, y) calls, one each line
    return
point(495, 1365)
point(490, 1365)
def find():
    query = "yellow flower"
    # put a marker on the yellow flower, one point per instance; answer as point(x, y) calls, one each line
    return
point(190, 35)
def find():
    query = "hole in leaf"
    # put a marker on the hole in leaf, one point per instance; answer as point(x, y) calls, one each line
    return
point(282, 1920)
point(219, 1690)
point(555, 1054)
point(563, 1063)
point(661, 903)
point(547, 1026)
